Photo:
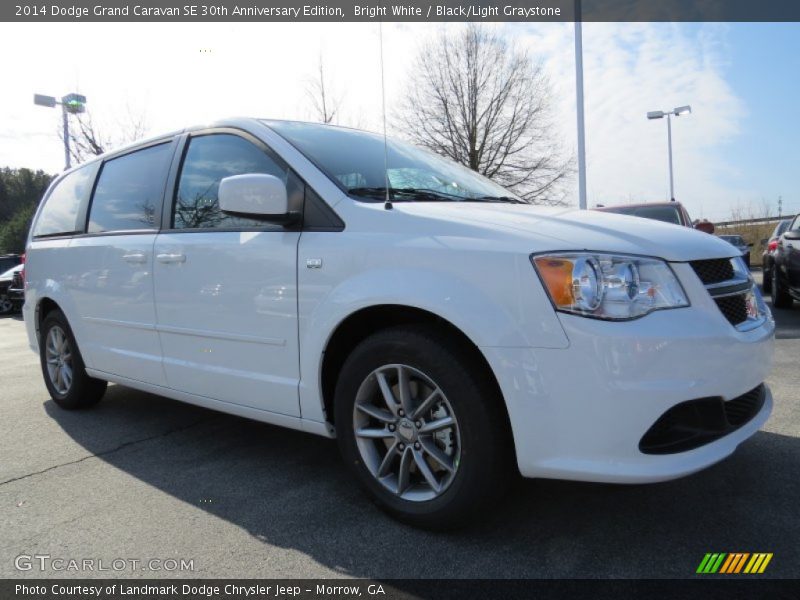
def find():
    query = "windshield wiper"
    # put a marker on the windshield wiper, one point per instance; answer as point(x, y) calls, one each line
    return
point(405, 194)
point(507, 199)
point(426, 195)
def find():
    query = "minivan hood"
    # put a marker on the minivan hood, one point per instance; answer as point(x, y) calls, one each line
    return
point(549, 229)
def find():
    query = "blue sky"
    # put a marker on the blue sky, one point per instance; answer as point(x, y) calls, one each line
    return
point(737, 149)
point(764, 70)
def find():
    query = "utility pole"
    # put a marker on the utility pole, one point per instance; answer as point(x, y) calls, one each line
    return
point(582, 203)
point(669, 143)
point(780, 205)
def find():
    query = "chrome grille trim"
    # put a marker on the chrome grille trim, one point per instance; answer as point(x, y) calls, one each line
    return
point(725, 293)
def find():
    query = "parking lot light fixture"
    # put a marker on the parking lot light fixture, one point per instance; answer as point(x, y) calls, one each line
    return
point(70, 104)
point(660, 114)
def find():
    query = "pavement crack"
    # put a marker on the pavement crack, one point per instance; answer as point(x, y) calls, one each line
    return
point(105, 452)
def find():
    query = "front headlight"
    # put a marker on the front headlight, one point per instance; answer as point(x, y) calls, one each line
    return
point(608, 286)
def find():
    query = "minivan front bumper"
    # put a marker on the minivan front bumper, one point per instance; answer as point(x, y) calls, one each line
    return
point(581, 412)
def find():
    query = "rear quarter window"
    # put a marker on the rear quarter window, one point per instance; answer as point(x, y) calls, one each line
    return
point(64, 208)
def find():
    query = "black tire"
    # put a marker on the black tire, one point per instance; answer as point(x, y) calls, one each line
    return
point(82, 391)
point(766, 279)
point(780, 296)
point(486, 460)
point(6, 305)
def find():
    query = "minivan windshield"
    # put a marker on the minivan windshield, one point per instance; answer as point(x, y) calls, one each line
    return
point(357, 162)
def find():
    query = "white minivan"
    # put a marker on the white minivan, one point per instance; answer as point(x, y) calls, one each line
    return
point(446, 332)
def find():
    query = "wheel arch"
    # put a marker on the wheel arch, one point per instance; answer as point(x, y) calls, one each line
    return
point(357, 326)
point(44, 306)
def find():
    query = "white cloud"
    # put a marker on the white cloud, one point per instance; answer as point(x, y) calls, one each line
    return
point(633, 68)
point(263, 70)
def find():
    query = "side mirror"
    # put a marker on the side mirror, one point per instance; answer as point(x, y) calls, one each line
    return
point(256, 196)
point(750, 245)
point(793, 234)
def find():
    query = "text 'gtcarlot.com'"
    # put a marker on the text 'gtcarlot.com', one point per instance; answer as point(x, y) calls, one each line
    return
point(46, 562)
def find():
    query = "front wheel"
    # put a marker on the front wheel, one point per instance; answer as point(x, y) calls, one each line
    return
point(62, 366)
point(6, 305)
point(780, 296)
point(421, 428)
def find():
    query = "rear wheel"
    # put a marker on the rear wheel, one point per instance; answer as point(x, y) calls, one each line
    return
point(766, 280)
point(780, 296)
point(421, 428)
point(62, 366)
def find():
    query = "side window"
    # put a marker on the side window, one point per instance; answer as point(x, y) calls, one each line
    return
point(129, 190)
point(62, 212)
point(208, 160)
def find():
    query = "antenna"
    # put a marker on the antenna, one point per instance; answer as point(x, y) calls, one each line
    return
point(388, 202)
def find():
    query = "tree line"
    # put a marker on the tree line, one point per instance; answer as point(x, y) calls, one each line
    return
point(20, 192)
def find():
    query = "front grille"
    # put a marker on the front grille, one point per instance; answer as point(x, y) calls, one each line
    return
point(728, 286)
point(733, 307)
point(694, 423)
point(713, 271)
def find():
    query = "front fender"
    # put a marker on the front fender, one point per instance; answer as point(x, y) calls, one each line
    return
point(499, 307)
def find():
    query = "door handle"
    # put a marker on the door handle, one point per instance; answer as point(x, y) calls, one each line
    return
point(135, 257)
point(171, 258)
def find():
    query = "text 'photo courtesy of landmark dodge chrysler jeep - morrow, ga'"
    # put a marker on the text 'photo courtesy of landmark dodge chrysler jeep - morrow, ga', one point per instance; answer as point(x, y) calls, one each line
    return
point(446, 332)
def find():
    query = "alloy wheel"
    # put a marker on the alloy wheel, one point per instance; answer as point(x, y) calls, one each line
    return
point(58, 355)
point(407, 432)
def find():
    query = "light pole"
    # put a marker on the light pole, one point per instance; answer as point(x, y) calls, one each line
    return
point(660, 114)
point(579, 103)
point(70, 104)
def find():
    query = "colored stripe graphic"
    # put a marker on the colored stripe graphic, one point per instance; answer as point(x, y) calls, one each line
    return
point(758, 563)
point(734, 562)
point(711, 562)
point(703, 563)
point(741, 562)
point(726, 566)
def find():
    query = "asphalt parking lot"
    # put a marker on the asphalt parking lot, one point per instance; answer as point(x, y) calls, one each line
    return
point(141, 477)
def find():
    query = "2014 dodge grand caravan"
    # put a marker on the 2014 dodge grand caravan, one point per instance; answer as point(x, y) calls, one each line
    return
point(442, 329)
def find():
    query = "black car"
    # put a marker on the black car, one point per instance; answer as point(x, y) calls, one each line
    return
point(9, 304)
point(738, 242)
point(8, 261)
point(770, 246)
point(785, 271)
point(16, 292)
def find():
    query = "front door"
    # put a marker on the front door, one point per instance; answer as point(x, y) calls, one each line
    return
point(226, 286)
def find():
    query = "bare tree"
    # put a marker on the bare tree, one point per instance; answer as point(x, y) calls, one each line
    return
point(484, 103)
point(88, 139)
point(325, 104)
